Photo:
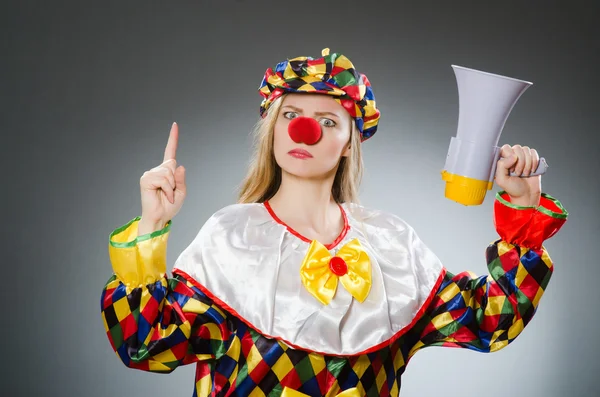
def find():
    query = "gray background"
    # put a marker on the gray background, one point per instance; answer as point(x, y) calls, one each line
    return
point(89, 92)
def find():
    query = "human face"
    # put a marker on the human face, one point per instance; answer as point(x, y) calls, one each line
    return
point(323, 156)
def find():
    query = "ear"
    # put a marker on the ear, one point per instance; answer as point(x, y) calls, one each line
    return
point(346, 151)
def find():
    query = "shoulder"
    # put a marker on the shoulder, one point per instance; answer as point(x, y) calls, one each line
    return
point(376, 218)
point(236, 212)
point(234, 228)
point(242, 219)
point(239, 209)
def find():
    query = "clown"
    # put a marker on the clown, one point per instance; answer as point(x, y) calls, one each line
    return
point(298, 290)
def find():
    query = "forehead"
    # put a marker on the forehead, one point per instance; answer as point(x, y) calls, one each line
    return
point(314, 102)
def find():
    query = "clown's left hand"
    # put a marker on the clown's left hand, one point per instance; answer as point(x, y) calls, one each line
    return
point(523, 161)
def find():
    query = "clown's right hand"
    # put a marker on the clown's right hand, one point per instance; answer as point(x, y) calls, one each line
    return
point(163, 189)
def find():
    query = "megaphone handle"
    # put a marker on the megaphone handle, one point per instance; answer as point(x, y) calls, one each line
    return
point(541, 169)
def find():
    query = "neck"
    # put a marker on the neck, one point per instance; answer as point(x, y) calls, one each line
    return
point(306, 203)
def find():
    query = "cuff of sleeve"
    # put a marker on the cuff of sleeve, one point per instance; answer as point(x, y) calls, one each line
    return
point(138, 260)
point(528, 226)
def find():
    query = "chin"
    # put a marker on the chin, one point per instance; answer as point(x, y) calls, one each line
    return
point(303, 170)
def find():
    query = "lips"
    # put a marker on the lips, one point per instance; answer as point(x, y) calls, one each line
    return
point(300, 153)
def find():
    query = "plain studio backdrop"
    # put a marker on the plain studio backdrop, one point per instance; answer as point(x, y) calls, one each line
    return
point(89, 92)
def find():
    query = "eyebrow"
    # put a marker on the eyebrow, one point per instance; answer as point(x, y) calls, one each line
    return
point(317, 113)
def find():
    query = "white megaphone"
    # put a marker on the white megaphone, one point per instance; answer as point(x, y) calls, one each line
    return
point(485, 101)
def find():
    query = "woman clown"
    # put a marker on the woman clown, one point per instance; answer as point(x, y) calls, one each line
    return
point(298, 290)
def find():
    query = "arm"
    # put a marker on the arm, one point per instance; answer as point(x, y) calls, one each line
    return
point(155, 323)
point(488, 312)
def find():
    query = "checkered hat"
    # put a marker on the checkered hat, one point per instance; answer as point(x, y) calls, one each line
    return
point(332, 74)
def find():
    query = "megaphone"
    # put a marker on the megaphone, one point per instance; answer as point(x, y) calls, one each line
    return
point(485, 101)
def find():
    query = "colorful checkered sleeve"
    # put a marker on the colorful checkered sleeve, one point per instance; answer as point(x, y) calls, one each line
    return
point(486, 313)
point(155, 323)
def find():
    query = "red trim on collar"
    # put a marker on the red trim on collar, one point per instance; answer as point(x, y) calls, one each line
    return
point(372, 349)
point(331, 246)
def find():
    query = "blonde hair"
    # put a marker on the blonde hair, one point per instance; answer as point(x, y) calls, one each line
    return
point(264, 174)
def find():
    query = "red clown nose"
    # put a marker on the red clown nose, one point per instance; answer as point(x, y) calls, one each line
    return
point(304, 130)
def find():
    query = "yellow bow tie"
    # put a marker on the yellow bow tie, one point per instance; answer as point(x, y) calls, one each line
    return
point(320, 271)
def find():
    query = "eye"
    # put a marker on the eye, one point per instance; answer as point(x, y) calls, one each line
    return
point(327, 123)
point(290, 115)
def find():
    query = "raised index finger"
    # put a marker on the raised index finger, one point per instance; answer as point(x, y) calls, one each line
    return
point(171, 149)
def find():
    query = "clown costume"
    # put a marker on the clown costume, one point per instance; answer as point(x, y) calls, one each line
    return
point(262, 310)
